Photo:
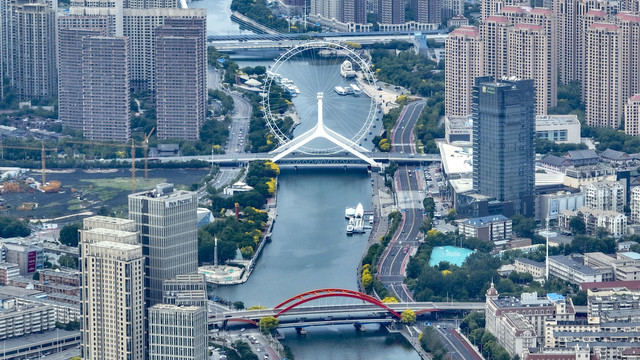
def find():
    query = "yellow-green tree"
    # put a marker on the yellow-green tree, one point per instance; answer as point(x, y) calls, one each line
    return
point(390, 300)
point(256, 307)
point(268, 323)
point(367, 279)
point(408, 316)
point(247, 252)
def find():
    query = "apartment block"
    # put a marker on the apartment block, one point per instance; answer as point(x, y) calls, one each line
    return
point(601, 84)
point(181, 70)
point(105, 88)
point(489, 228)
point(167, 222)
point(588, 12)
point(7, 272)
point(463, 50)
point(71, 31)
point(635, 205)
point(185, 290)
point(427, 11)
point(605, 195)
point(614, 222)
point(629, 48)
point(112, 307)
point(494, 46)
point(391, 11)
point(16, 321)
point(28, 257)
point(632, 116)
point(178, 333)
point(30, 50)
point(533, 309)
point(565, 268)
point(535, 268)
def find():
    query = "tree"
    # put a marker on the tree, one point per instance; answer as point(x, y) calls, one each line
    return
point(268, 323)
point(13, 228)
point(523, 226)
point(429, 206)
point(389, 300)
point(238, 305)
point(67, 261)
point(408, 316)
point(69, 234)
point(577, 225)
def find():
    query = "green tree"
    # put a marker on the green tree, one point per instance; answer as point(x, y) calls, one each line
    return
point(429, 206)
point(69, 234)
point(268, 323)
point(13, 228)
point(577, 225)
point(408, 316)
point(523, 226)
point(238, 305)
point(67, 261)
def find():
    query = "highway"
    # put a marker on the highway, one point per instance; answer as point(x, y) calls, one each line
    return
point(392, 265)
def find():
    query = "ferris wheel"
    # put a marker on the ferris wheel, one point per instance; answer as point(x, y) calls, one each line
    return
point(298, 76)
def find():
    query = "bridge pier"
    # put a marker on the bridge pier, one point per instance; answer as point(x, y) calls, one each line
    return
point(301, 331)
point(360, 327)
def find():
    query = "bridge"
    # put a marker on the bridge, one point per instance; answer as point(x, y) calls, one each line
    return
point(353, 36)
point(369, 310)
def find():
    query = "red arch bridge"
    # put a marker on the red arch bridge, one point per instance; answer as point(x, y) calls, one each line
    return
point(298, 309)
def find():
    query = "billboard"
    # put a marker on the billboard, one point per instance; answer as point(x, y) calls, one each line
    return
point(31, 261)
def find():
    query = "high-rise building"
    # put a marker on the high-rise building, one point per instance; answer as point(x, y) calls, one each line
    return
point(391, 11)
point(105, 88)
point(427, 11)
point(140, 26)
point(605, 195)
point(71, 31)
point(451, 8)
point(185, 290)
point(583, 23)
point(565, 14)
point(353, 11)
point(464, 63)
point(181, 70)
point(629, 48)
point(167, 222)
point(632, 116)
point(112, 300)
point(529, 57)
point(503, 142)
point(494, 46)
point(178, 332)
point(29, 53)
point(601, 84)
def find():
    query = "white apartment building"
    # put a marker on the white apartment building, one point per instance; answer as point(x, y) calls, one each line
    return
point(19, 320)
point(565, 268)
point(634, 202)
point(614, 222)
point(605, 195)
point(112, 306)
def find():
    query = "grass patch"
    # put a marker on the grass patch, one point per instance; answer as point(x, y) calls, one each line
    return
point(124, 183)
point(105, 195)
point(52, 204)
point(75, 207)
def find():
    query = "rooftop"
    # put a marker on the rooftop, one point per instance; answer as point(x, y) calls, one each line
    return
point(557, 120)
point(629, 285)
point(575, 266)
point(611, 154)
point(116, 245)
point(581, 154)
point(531, 262)
point(631, 255)
point(456, 159)
point(26, 341)
point(485, 220)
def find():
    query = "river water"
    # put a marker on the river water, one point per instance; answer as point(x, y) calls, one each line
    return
point(309, 248)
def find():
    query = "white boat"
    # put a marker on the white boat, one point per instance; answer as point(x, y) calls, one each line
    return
point(349, 212)
point(355, 89)
point(340, 90)
point(350, 227)
point(346, 69)
point(359, 211)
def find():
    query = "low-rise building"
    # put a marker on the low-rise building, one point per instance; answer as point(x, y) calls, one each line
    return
point(535, 268)
point(563, 129)
point(565, 268)
point(489, 228)
point(23, 320)
point(60, 277)
point(8, 271)
point(576, 177)
point(515, 334)
point(551, 205)
point(457, 21)
point(614, 222)
point(458, 128)
point(29, 258)
point(535, 310)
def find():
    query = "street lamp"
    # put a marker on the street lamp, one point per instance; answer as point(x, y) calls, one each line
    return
point(547, 234)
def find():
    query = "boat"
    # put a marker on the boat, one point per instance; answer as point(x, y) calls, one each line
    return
point(340, 90)
point(346, 69)
point(355, 89)
point(349, 212)
point(359, 211)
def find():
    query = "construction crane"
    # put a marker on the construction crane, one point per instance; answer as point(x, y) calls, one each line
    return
point(43, 155)
point(146, 149)
point(133, 156)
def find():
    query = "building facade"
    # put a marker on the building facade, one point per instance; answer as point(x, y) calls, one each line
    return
point(178, 333)
point(30, 51)
point(614, 222)
point(632, 116)
point(181, 67)
point(489, 228)
point(605, 195)
point(105, 88)
point(503, 142)
point(463, 50)
point(112, 303)
point(391, 11)
point(19, 320)
point(167, 222)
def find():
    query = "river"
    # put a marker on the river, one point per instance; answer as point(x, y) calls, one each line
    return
point(309, 248)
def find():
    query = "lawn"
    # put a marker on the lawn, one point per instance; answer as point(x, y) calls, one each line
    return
point(124, 183)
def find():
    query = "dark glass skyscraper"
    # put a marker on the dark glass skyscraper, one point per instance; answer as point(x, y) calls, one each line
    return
point(503, 142)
